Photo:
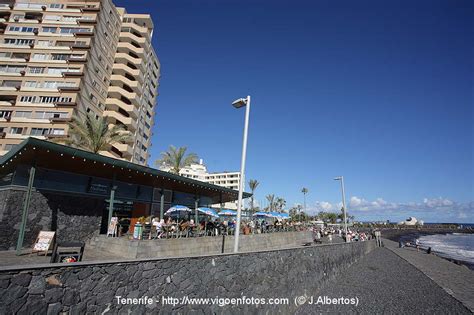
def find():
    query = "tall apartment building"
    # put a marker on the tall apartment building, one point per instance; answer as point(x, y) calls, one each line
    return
point(62, 58)
point(199, 171)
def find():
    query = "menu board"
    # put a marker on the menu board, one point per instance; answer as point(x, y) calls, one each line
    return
point(44, 241)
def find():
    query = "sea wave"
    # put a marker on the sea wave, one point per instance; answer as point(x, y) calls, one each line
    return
point(455, 246)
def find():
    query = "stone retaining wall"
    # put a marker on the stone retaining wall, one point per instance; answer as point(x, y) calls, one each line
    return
point(92, 288)
point(73, 218)
point(123, 247)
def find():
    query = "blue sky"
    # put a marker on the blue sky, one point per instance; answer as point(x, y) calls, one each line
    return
point(378, 91)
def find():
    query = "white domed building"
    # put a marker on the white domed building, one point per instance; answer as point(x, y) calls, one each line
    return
point(411, 221)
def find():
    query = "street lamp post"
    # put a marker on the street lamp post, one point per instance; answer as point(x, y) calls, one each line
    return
point(238, 104)
point(341, 178)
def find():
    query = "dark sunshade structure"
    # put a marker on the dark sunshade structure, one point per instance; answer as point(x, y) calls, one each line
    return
point(48, 186)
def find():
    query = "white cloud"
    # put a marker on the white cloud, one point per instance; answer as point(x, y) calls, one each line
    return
point(355, 201)
point(437, 202)
point(429, 209)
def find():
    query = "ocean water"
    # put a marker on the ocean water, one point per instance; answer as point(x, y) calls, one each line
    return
point(457, 246)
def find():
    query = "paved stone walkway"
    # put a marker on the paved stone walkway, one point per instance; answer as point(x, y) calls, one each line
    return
point(9, 257)
point(383, 283)
point(456, 280)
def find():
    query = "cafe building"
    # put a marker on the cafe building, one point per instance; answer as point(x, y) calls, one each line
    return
point(46, 186)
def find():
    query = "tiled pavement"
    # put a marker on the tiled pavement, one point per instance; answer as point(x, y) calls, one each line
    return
point(9, 258)
point(455, 279)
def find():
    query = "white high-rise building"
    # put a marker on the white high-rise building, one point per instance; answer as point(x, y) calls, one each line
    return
point(199, 171)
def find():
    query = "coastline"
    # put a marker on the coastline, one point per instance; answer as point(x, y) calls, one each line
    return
point(412, 234)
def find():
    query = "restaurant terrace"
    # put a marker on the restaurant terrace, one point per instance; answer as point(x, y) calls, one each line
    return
point(48, 186)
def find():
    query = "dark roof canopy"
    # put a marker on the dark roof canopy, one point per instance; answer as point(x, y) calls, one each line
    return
point(63, 158)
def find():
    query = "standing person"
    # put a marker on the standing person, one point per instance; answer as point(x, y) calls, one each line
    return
point(315, 232)
point(377, 238)
point(252, 226)
point(417, 244)
point(318, 237)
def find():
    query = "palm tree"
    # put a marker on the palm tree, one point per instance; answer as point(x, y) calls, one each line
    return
point(176, 159)
point(304, 191)
point(94, 135)
point(253, 184)
point(271, 201)
point(280, 203)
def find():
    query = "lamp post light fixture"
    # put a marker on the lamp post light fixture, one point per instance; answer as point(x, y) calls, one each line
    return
point(341, 178)
point(241, 102)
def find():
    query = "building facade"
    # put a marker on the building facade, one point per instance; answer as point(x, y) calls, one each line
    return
point(45, 186)
point(64, 59)
point(199, 172)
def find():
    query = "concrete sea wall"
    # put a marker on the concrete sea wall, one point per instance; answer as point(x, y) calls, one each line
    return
point(197, 245)
point(92, 287)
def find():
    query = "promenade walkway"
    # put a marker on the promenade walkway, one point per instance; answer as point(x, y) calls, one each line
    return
point(9, 258)
point(456, 280)
point(384, 283)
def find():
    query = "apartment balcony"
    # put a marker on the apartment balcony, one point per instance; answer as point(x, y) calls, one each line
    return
point(73, 74)
point(140, 29)
point(76, 60)
point(122, 57)
point(6, 6)
point(116, 104)
point(62, 120)
point(10, 88)
point(123, 46)
point(8, 103)
point(80, 47)
point(54, 136)
point(121, 68)
point(114, 117)
point(65, 104)
point(90, 9)
point(117, 79)
point(16, 136)
point(126, 36)
point(86, 21)
point(83, 34)
point(117, 92)
point(66, 89)
point(125, 149)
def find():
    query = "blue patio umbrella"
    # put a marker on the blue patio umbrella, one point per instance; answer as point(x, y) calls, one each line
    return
point(284, 216)
point(278, 215)
point(263, 214)
point(208, 211)
point(227, 212)
point(178, 209)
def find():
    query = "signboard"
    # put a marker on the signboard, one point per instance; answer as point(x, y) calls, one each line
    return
point(43, 241)
point(112, 230)
point(97, 188)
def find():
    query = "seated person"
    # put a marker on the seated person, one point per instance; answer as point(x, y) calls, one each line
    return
point(184, 225)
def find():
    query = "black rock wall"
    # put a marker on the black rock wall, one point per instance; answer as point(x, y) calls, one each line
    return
point(73, 218)
point(93, 288)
